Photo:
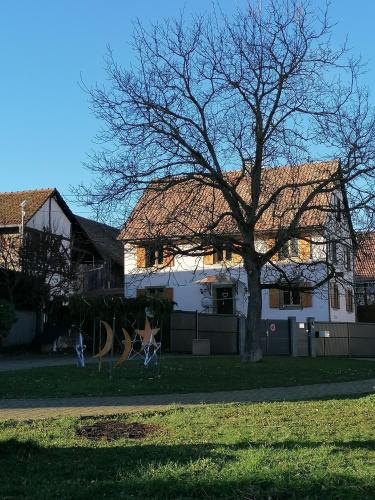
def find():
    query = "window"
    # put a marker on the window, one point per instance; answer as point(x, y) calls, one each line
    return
point(155, 292)
point(335, 297)
point(291, 298)
point(333, 251)
point(223, 253)
point(154, 255)
point(297, 297)
point(290, 249)
point(349, 300)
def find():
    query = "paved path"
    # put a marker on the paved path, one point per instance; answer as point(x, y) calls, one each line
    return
point(21, 409)
point(35, 361)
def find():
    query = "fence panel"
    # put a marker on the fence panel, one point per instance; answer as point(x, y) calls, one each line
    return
point(362, 339)
point(220, 329)
point(335, 329)
point(275, 337)
point(337, 344)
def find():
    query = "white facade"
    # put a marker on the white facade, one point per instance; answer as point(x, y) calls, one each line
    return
point(51, 217)
point(186, 273)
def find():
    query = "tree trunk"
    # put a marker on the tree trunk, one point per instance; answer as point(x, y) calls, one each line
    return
point(253, 350)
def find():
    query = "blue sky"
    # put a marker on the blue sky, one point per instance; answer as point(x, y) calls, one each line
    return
point(46, 128)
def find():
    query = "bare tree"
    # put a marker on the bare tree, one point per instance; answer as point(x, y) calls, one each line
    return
point(38, 263)
point(262, 88)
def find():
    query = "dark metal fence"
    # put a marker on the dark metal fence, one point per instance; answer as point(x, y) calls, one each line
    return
point(220, 329)
point(278, 337)
point(223, 332)
point(345, 339)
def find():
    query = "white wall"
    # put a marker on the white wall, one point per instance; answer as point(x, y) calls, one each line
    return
point(51, 211)
point(187, 270)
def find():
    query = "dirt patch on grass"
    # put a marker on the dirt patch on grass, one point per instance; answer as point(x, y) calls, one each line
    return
point(111, 431)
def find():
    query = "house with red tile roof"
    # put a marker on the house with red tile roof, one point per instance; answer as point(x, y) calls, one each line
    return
point(364, 276)
point(170, 217)
point(94, 245)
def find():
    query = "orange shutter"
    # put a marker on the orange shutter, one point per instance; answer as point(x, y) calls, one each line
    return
point(169, 293)
point(209, 258)
point(304, 248)
point(306, 297)
point(141, 257)
point(236, 257)
point(270, 244)
point(168, 257)
point(141, 292)
point(274, 295)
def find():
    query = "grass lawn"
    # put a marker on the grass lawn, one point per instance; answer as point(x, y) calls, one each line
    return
point(316, 449)
point(180, 375)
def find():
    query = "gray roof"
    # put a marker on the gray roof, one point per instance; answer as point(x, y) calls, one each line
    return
point(104, 238)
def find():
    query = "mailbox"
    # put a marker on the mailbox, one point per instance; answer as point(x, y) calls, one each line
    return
point(324, 333)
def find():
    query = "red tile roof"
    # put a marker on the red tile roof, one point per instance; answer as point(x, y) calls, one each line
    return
point(365, 259)
point(189, 207)
point(10, 205)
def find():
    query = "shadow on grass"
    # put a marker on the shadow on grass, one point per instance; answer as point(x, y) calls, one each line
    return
point(132, 470)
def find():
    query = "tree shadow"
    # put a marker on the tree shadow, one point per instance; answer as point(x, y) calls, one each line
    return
point(144, 470)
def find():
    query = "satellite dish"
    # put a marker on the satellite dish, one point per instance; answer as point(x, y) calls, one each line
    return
point(207, 302)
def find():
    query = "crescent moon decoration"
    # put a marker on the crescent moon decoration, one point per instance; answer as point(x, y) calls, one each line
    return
point(108, 343)
point(127, 347)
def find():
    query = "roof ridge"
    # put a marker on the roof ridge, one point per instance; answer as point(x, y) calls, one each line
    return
point(39, 190)
point(96, 222)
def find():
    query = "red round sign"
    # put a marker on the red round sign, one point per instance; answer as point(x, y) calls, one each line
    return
point(272, 327)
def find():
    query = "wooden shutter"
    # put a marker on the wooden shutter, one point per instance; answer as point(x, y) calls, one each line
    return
point(304, 248)
point(306, 297)
point(337, 297)
point(331, 296)
point(141, 257)
point(168, 257)
point(270, 244)
point(141, 292)
point(349, 299)
point(208, 259)
point(274, 296)
point(236, 257)
point(169, 293)
point(334, 296)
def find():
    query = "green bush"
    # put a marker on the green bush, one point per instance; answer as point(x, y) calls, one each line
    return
point(7, 317)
